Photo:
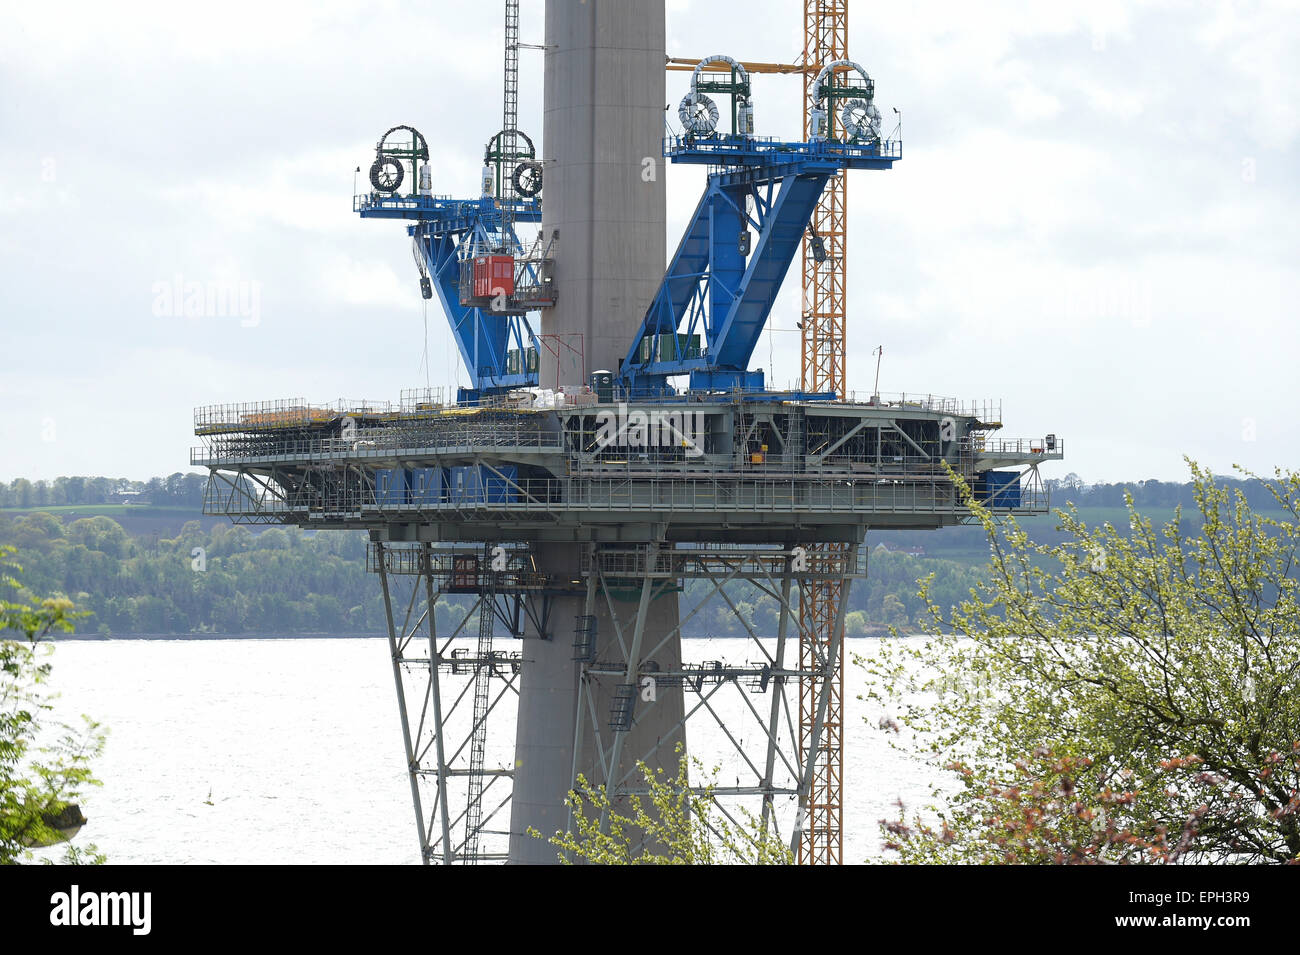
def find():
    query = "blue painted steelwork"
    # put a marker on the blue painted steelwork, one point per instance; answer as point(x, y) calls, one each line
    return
point(390, 486)
point(720, 286)
point(998, 488)
point(446, 232)
point(716, 295)
point(478, 484)
point(733, 151)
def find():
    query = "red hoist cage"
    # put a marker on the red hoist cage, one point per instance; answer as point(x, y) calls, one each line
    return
point(494, 275)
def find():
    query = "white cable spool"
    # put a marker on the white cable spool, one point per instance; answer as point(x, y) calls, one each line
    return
point(861, 120)
point(718, 58)
point(830, 68)
point(698, 114)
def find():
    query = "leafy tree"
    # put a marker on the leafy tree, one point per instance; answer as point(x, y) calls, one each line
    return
point(671, 825)
point(1041, 816)
point(39, 784)
point(1162, 665)
point(23, 492)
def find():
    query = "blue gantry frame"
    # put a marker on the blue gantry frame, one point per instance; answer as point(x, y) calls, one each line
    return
point(716, 292)
point(719, 289)
point(443, 227)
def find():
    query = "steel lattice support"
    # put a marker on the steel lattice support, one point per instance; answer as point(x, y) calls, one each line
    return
point(821, 603)
point(821, 616)
point(445, 701)
point(756, 738)
point(826, 39)
point(510, 109)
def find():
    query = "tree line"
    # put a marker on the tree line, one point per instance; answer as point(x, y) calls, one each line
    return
point(1151, 493)
point(284, 580)
point(175, 490)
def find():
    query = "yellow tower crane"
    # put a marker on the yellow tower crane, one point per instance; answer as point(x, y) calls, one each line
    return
point(823, 339)
point(826, 39)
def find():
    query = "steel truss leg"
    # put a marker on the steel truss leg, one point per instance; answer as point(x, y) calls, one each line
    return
point(435, 688)
point(432, 755)
point(763, 745)
point(818, 838)
point(412, 765)
point(631, 673)
point(778, 695)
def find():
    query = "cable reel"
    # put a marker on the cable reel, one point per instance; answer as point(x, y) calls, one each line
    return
point(858, 115)
point(528, 178)
point(387, 171)
point(698, 113)
point(861, 121)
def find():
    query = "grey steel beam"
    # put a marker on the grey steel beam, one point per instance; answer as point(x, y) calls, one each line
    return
point(402, 714)
point(435, 691)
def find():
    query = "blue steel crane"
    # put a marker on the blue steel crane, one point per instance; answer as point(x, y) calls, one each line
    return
point(721, 283)
point(488, 314)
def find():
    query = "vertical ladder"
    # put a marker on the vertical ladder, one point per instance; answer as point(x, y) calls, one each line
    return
point(621, 707)
point(478, 736)
point(510, 115)
point(584, 638)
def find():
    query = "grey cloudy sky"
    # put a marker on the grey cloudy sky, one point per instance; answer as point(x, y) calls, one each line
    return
point(1095, 220)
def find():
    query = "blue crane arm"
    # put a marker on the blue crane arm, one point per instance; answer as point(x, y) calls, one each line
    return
point(483, 338)
point(736, 335)
point(717, 294)
point(722, 281)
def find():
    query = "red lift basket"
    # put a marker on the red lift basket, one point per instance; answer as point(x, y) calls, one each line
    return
point(494, 275)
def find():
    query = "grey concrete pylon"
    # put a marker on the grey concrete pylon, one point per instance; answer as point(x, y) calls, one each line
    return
point(604, 195)
point(562, 728)
point(603, 181)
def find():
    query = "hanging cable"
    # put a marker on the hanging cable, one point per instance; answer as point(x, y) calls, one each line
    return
point(771, 355)
point(425, 362)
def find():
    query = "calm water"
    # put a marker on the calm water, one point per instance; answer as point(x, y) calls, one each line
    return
point(296, 744)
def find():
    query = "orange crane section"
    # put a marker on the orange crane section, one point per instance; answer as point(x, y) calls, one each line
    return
point(826, 39)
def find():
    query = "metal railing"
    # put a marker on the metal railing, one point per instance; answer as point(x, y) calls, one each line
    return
point(414, 401)
point(379, 444)
point(284, 413)
point(768, 148)
point(656, 496)
point(718, 560)
point(1017, 446)
point(987, 410)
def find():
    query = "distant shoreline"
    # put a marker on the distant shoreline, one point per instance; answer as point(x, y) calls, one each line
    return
point(99, 638)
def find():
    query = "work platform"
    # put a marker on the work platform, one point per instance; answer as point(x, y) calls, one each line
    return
point(757, 467)
point(724, 153)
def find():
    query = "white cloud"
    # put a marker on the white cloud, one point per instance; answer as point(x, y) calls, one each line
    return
point(1095, 220)
point(371, 284)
